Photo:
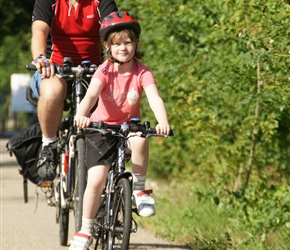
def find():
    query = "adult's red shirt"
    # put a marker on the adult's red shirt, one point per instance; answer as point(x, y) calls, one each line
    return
point(74, 31)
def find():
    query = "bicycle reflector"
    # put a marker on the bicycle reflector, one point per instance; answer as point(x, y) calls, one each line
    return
point(45, 184)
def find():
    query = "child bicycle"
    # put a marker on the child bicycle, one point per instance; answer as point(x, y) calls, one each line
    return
point(114, 222)
point(66, 191)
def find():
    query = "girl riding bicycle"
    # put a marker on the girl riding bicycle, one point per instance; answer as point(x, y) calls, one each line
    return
point(118, 84)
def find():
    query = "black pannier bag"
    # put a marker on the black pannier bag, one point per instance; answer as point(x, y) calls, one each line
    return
point(25, 145)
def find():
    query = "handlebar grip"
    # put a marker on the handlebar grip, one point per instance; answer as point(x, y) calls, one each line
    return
point(153, 131)
point(98, 125)
point(30, 67)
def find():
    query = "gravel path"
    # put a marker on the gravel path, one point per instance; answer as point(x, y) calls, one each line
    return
point(32, 226)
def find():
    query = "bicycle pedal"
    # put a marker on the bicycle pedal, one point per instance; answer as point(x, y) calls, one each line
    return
point(45, 184)
point(134, 210)
point(50, 203)
point(134, 228)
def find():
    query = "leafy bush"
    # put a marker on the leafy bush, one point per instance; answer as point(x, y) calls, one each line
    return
point(222, 68)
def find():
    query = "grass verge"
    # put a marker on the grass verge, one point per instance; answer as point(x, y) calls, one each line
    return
point(184, 219)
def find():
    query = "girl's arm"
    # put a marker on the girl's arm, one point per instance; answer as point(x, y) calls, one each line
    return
point(158, 107)
point(82, 119)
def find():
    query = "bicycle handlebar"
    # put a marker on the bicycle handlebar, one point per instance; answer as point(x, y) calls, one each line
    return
point(68, 71)
point(125, 128)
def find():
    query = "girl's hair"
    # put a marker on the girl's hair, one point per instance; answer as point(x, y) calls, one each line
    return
point(116, 36)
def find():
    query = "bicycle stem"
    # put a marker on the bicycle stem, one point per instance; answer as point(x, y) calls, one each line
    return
point(121, 154)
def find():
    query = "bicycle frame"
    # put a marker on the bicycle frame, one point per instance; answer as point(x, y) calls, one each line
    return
point(71, 134)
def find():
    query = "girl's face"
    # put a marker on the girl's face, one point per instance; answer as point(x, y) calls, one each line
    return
point(122, 48)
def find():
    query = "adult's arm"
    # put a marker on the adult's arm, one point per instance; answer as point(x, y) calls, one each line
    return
point(42, 17)
point(40, 32)
point(106, 7)
point(41, 22)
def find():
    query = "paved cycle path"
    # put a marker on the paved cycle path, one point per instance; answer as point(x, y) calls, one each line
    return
point(32, 226)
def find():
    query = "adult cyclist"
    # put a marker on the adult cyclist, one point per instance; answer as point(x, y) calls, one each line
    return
point(61, 28)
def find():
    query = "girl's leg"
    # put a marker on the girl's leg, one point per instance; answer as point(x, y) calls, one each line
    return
point(140, 154)
point(97, 177)
point(139, 160)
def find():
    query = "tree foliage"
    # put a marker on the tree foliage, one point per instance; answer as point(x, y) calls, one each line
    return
point(15, 19)
point(205, 55)
point(223, 70)
point(14, 40)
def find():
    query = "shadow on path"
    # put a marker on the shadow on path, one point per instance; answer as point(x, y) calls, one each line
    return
point(8, 164)
point(156, 246)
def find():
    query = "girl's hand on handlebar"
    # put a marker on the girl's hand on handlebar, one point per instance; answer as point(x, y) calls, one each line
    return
point(163, 129)
point(44, 66)
point(82, 121)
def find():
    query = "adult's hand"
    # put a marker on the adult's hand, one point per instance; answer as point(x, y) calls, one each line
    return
point(44, 66)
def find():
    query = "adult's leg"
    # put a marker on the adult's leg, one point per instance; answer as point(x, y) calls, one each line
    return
point(53, 92)
point(50, 107)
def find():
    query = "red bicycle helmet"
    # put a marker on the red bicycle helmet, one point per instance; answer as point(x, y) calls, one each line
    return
point(118, 20)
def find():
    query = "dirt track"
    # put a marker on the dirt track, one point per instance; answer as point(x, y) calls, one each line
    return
point(32, 226)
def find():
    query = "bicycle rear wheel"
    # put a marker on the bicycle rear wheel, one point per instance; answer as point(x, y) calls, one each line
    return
point(63, 212)
point(121, 223)
point(63, 226)
point(80, 182)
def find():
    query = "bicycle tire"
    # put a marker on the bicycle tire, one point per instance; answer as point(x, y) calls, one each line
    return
point(100, 233)
point(80, 182)
point(63, 213)
point(63, 226)
point(121, 223)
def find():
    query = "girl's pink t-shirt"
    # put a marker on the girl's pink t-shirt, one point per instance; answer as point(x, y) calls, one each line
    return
point(119, 100)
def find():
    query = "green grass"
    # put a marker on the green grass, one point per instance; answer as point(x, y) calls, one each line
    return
point(202, 225)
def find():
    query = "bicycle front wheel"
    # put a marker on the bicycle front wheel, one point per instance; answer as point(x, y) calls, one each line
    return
point(80, 182)
point(121, 223)
point(100, 232)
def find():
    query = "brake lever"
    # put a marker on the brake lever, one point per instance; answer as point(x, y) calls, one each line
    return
point(105, 132)
point(102, 131)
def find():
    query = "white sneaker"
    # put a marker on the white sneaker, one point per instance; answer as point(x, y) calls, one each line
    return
point(144, 203)
point(81, 241)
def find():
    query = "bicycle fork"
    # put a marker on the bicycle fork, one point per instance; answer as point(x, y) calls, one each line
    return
point(67, 173)
point(109, 191)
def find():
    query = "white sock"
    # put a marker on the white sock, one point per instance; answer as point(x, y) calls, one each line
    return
point(87, 226)
point(46, 141)
point(139, 182)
